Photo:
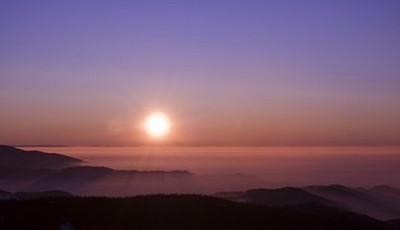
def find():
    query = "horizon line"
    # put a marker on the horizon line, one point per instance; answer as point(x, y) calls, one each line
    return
point(188, 145)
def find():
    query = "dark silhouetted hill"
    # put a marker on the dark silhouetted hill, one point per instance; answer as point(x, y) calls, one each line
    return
point(103, 181)
point(37, 195)
point(387, 190)
point(386, 193)
point(276, 197)
point(13, 158)
point(36, 171)
point(174, 212)
point(394, 223)
point(4, 195)
point(382, 202)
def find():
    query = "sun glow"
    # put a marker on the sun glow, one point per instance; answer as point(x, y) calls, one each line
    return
point(157, 125)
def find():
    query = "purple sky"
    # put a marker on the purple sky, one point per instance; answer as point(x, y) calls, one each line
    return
point(226, 72)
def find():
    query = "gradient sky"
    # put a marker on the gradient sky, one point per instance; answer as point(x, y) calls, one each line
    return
point(226, 72)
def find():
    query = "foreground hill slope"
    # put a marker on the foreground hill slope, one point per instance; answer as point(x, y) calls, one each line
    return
point(173, 212)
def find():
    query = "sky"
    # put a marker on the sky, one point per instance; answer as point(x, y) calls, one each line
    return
point(226, 72)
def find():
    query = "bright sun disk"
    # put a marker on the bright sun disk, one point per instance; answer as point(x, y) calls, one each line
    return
point(157, 125)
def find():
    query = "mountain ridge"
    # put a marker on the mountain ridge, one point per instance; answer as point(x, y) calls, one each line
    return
point(175, 212)
point(11, 157)
point(360, 200)
point(55, 171)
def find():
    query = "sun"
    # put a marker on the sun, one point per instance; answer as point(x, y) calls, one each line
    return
point(157, 125)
